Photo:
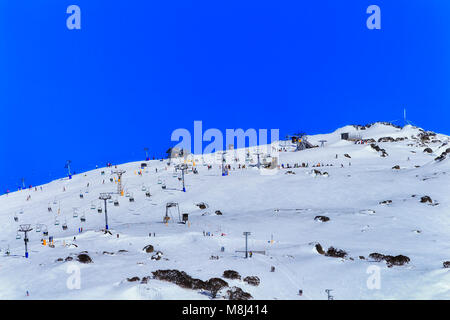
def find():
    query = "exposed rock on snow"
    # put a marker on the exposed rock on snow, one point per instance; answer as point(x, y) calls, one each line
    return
point(390, 260)
point(148, 248)
point(133, 279)
point(426, 199)
point(202, 205)
point(182, 279)
point(335, 253)
point(322, 218)
point(231, 274)
point(236, 293)
point(252, 280)
point(84, 258)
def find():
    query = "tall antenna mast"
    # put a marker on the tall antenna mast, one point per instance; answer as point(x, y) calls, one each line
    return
point(404, 116)
point(67, 166)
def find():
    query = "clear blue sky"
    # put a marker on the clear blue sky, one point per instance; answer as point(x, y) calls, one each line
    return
point(139, 69)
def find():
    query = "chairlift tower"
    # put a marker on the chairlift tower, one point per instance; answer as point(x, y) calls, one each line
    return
point(105, 197)
point(168, 206)
point(183, 167)
point(258, 164)
point(146, 154)
point(322, 143)
point(223, 163)
point(119, 174)
point(23, 183)
point(246, 234)
point(25, 228)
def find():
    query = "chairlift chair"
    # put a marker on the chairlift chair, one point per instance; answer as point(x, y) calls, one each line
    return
point(81, 195)
point(144, 188)
point(16, 218)
point(127, 195)
point(83, 218)
point(18, 236)
point(56, 222)
point(110, 200)
point(99, 210)
point(75, 213)
point(93, 207)
point(21, 211)
point(159, 181)
point(116, 203)
point(38, 228)
point(45, 232)
point(147, 194)
point(131, 198)
point(64, 226)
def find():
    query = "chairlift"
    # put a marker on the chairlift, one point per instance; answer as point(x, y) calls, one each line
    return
point(159, 181)
point(21, 211)
point(16, 218)
point(131, 198)
point(83, 218)
point(99, 209)
point(110, 200)
point(75, 213)
point(93, 207)
point(56, 222)
point(45, 232)
point(147, 194)
point(38, 228)
point(116, 203)
point(81, 195)
point(127, 195)
point(163, 186)
point(144, 188)
point(64, 226)
point(18, 236)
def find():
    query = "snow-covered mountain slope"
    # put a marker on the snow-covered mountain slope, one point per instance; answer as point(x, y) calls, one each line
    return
point(372, 208)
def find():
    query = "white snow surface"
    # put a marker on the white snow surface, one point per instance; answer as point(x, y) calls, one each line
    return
point(280, 206)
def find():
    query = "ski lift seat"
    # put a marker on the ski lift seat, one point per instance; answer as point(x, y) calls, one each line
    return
point(18, 236)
